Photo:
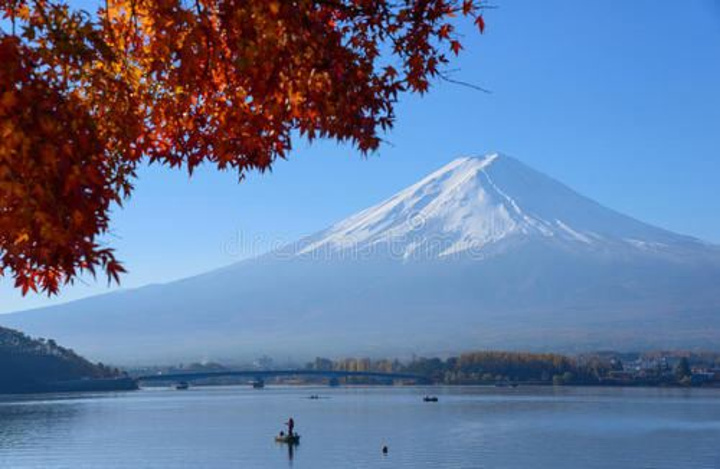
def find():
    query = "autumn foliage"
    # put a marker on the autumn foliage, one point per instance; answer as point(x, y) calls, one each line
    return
point(85, 98)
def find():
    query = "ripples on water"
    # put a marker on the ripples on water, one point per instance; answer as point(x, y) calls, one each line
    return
point(469, 428)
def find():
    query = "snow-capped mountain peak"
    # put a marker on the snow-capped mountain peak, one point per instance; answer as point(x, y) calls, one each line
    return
point(514, 259)
point(476, 202)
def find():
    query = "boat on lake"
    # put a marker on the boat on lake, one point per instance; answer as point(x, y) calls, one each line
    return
point(293, 439)
point(182, 386)
point(430, 399)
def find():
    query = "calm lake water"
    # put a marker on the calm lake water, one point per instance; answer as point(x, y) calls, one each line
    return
point(473, 427)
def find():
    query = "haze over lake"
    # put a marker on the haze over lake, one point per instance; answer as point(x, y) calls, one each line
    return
point(484, 251)
point(470, 427)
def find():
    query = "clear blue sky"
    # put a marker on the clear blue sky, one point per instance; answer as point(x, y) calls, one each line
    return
point(618, 99)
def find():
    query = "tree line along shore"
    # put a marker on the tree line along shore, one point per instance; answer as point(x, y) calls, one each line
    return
point(657, 368)
point(33, 365)
point(30, 365)
point(673, 368)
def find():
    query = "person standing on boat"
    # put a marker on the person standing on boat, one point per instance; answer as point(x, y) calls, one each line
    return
point(291, 426)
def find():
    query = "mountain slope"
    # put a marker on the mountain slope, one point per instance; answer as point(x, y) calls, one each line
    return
point(483, 252)
point(475, 202)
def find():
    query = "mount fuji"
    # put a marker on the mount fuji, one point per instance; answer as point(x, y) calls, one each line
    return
point(474, 204)
point(483, 253)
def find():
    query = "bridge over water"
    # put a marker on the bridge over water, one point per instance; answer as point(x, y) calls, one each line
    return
point(262, 375)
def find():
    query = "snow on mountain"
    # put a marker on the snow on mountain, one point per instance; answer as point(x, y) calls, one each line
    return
point(475, 202)
point(484, 252)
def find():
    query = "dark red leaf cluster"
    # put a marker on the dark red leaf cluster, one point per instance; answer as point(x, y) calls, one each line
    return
point(228, 82)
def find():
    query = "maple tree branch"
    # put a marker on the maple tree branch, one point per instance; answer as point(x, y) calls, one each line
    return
point(209, 43)
point(109, 23)
point(445, 77)
point(46, 21)
point(12, 19)
point(215, 81)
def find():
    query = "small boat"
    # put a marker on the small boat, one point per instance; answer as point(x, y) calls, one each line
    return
point(314, 396)
point(430, 399)
point(293, 439)
point(182, 386)
point(258, 384)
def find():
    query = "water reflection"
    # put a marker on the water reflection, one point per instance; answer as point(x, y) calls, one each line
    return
point(235, 427)
point(23, 423)
point(291, 453)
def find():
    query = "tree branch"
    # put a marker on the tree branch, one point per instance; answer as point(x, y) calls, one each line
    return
point(446, 78)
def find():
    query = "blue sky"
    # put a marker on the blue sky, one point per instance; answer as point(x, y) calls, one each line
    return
point(618, 99)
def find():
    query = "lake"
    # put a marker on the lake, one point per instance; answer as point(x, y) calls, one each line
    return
point(470, 427)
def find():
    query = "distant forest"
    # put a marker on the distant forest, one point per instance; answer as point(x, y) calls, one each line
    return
point(493, 367)
point(33, 365)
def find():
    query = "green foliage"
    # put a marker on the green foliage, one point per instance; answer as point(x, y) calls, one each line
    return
point(682, 370)
point(476, 367)
point(498, 367)
point(28, 364)
point(564, 379)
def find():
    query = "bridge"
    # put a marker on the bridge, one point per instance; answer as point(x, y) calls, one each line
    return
point(259, 376)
